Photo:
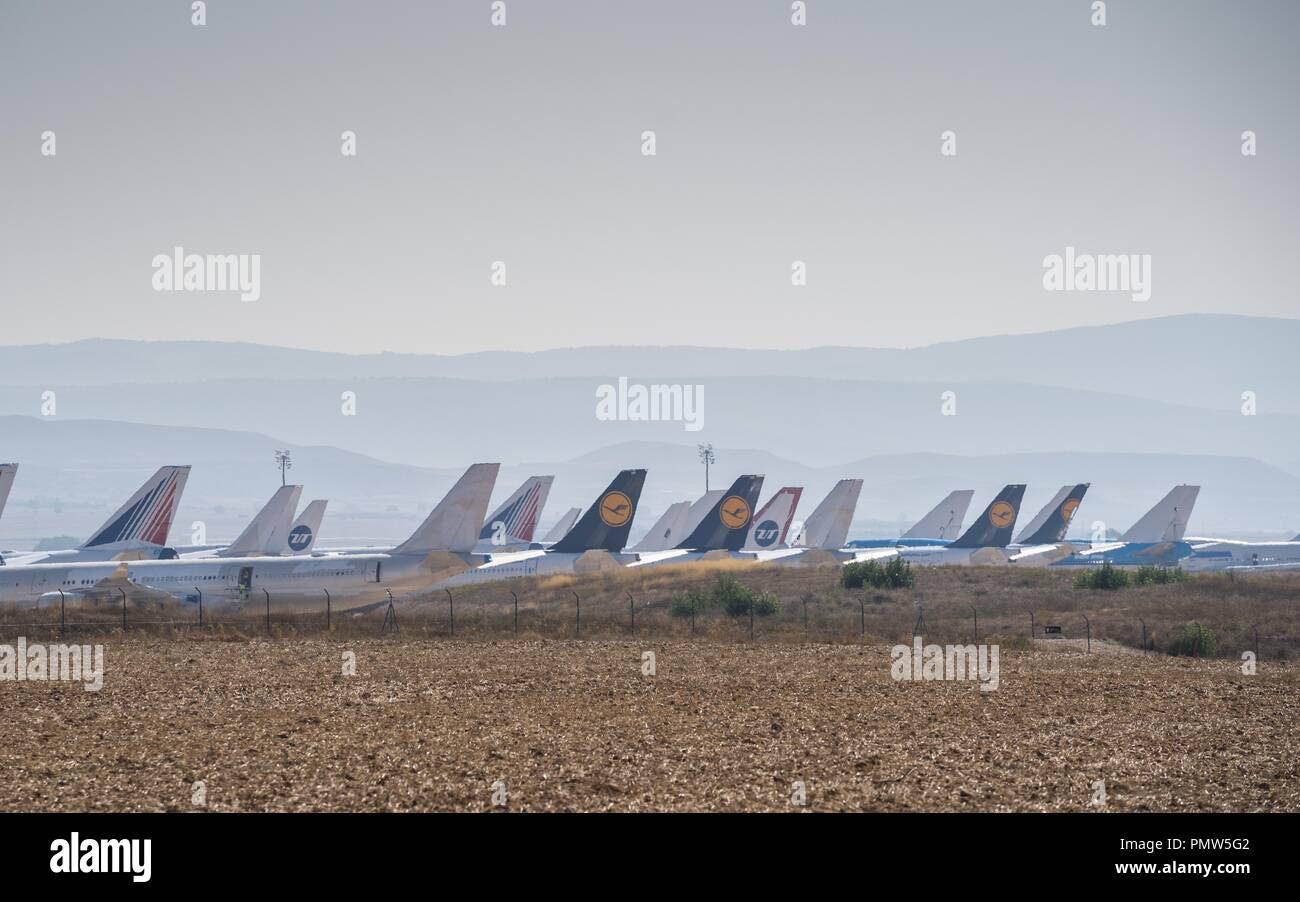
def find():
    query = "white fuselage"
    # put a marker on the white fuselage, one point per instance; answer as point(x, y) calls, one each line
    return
point(1220, 555)
point(537, 562)
point(292, 583)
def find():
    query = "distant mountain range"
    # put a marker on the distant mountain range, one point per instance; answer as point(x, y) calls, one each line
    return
point(1132, 407)
point(1201, 360)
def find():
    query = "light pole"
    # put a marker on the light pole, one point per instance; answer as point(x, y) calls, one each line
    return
point(283, 461)
point(706, 457)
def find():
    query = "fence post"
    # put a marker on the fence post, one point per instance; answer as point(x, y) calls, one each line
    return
point(1088, 624)
point(918, 629)
point(862, 608)
point(62, 620)
point(329, 603)
point(578, 598)
point(451, 611)
point(1197, 638)
point(631, 606)
point(805, 617)
point(1144, 635)
point(516, 597)
point(692, 615)
point(267, 593)
point(122, 592)
point(1255, 627)
point(751, 619)
point(977, 621)
point(200, 591)
point(1032, 634)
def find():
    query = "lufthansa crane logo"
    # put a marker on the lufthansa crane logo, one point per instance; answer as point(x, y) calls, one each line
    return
point(1001, 514)
point(1068, 509)
point(735, 512)
point(615, 509)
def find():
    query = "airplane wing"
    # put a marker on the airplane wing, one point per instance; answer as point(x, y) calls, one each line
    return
point(111, 588)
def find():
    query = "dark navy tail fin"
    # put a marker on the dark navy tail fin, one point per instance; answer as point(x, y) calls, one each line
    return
point(727, 524)
point(994, 527)
point(606, 523)
point(1057, 521)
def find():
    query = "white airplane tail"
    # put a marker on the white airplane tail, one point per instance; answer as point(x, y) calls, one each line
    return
point(302, 537)
point(561, 529)
point(7, 474)
point(667, 531)
point(147, 516)
point(772, 522)
point(270, 528)
point(515, 521)
point(697, 512)
point(1167, 521)
point(454, 524)
point(828, 527)
point(945, 521)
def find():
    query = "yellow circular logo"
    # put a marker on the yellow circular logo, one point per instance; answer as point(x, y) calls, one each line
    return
point(615, 509)
point(735, 512)
point(1068, 509)
point(1001, 514)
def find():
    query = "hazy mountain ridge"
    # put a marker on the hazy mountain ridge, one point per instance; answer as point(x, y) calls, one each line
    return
point(1197, 359)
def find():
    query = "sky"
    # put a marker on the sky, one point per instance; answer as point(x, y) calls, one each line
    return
point(523, 144)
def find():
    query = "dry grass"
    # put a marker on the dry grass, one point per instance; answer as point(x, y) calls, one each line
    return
point(431, 725)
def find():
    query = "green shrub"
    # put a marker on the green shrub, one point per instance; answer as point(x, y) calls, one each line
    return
point(1153, 576)
point(685, 604)
point(894, 574)
point(727, 594)
point(1104, 577)
point(1195, 640)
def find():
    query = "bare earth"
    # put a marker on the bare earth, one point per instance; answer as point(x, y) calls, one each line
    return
point(566, 725)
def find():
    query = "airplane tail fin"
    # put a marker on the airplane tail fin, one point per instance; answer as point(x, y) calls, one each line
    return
point(944, 522)
point(828, 527)
point(772, 523)
point(7, 474)
point(726, 524)
point(1053, 520)
point(147, 515)
point(272, 521)
point(667, 528)
point(1167, 521)
point(516, 519)
point(302, 537)
point(454, 524)
point(559, 530)
point(606, 523)
point(994, 527)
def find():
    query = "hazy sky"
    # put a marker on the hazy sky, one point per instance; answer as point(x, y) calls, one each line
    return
point(523, 144)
